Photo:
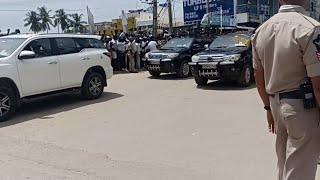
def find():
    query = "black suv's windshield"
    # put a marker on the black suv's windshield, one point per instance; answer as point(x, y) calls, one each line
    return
point(9, 45)
point(231, 40)
point(178, 43)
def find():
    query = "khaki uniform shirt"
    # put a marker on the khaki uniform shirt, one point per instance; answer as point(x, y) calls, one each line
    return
point(287, 48)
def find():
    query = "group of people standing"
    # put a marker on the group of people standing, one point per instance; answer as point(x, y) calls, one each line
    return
point(127, 52)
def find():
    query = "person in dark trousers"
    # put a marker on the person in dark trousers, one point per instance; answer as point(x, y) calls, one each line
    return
point(122, 54)
point(114, 53)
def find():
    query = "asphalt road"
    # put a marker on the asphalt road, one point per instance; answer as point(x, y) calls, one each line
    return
point(141, 129)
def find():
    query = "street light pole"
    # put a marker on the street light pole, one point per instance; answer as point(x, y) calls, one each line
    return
point(155, 17)
point(170, 16)
point(208, 6)
point(221, 20)
point(208, 11)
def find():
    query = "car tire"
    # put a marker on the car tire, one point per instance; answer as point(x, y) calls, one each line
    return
point(154, 73)
point(8, 103)
point(92, 86)
point(184, 69)
point(201, 81)
point(245, 78)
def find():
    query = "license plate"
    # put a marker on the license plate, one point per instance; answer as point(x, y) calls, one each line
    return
point(209, 66)
point(151, 61)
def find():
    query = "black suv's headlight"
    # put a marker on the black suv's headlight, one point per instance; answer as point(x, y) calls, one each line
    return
point(232, 58)
point(195, 58)
point(172, 55)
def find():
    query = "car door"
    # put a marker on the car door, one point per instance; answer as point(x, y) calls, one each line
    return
point(39, 74)
point(73, 63)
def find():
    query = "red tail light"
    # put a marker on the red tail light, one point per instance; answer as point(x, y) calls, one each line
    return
point(107, 54)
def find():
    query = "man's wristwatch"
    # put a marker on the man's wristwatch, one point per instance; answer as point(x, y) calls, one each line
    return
point(267, 108)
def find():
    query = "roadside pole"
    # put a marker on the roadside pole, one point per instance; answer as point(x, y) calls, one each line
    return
point(155, 18)
point(208, 6)
point(170, 16)
point(221, 19)
point(208, 13)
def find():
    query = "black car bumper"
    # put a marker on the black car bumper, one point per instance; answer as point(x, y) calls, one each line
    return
point(159, 65)
point(215, 70)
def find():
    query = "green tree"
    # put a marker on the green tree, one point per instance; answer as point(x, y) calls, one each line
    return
point(45, 19)
point(33, 20)
point(76, 22)
point(61, 20)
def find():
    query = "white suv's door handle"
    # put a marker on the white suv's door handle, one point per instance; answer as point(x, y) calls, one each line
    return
point(85, 58)
point(53, 62)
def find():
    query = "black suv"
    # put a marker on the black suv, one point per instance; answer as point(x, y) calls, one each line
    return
point(175, 55)
point(229, 57)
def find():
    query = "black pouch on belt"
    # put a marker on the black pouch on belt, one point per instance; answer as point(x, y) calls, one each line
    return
point(309, 100)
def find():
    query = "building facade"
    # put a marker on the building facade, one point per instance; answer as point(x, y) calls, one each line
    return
point(238, 12)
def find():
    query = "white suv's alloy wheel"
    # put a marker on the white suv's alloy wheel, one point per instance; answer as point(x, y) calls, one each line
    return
point(95, 86)
point(4, 104)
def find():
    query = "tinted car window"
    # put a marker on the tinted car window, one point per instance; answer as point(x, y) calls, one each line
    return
point(41, 47)
point(67, 46)
point(231, 40)
point(90, 43)
point(178, 43)
point(96, 43)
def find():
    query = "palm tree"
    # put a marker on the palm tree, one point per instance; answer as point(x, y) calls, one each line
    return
point(61, 20)
point(76, 22)
point(33, 20)
point(45, 18)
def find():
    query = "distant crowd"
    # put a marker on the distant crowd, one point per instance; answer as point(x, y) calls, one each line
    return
point(128, 50)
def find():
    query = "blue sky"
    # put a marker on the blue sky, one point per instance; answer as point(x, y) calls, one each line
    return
point(103, 10)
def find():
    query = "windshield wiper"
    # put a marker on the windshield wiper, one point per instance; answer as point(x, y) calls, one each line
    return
point(219, 47)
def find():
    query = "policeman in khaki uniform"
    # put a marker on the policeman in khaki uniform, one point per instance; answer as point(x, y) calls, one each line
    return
point(286, 54)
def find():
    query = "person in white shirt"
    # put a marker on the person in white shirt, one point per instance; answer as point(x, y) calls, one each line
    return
point(114, 52)
point(138, 53)
point(132, 49)
point(152, 46)
point(122, 53)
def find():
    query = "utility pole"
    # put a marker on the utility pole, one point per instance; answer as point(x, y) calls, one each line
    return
point(208, 12)
point(221, 19)
point(170, 16)
point(208, 6)
point(155, 18)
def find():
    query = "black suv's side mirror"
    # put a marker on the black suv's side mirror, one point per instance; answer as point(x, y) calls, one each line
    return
point(196, 46)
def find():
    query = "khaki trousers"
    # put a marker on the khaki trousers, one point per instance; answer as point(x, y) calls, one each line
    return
point(298, 139)
point(131, 62)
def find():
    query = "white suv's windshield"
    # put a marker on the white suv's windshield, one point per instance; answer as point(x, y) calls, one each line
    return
point(178, 43)
point(231, 40)
point(9, 45)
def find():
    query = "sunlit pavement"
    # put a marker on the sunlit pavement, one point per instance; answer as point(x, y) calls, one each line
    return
point(141, 129)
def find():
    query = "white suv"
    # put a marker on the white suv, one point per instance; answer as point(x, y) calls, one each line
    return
point(33, 65)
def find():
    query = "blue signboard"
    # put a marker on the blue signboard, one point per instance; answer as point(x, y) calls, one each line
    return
point(194, 10)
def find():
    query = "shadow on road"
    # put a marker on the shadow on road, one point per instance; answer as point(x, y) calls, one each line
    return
point(42, 108)
point(225, 86)
point(169, 77)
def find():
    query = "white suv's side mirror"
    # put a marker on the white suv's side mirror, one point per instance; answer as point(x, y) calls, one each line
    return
point(27, 55)
point(206, 46)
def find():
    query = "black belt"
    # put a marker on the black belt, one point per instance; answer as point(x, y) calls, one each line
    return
point(290, 95)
